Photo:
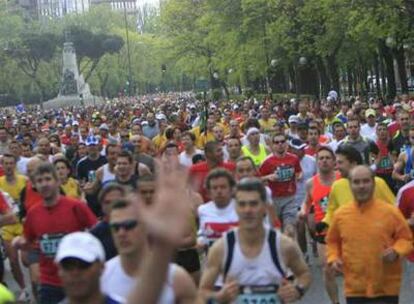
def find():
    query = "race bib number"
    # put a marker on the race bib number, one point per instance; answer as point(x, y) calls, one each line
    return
point(49, 244)
point(385, 163)
point(258, 295)
point(324, 203)
point(214, 231)
point(284, 173)
point(412, 174)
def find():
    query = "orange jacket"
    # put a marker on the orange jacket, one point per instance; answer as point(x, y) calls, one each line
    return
point(358, 236)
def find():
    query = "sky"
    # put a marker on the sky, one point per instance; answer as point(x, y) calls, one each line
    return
point(153, 2)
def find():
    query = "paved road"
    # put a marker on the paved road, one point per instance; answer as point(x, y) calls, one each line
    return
point(315, 295)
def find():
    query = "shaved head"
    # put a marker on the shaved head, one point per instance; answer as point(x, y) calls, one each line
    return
point(362, 180)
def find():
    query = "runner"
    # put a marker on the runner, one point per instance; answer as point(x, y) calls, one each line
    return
point(255, 150)
point(314, 208)
point(369, 129)
point(313, 141)
point(245, 168)
point(400, 139)
point(253, 259)
point(13, 183)
point(110, 193)
point(347, 158)
point(405, 199)
point(384, 160)
point(372, 275)
point(281, 170)
point(69, 185)
point(190, 150)
point(86, 169)
point(186, 254)
point(140, 152)
point(80, 258)
point(214, 159)
point(132, 243)
point(7, 217)
point(218, 215)
point(404, 168)
point(339, 133)
point(234, 149)
point(45, 226)
point(364, 146)
point(106, 172)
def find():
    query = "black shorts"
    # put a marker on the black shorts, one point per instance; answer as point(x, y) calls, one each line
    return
point(188, 259)
point(320, 238)
point(377, 300)
point(33, 256)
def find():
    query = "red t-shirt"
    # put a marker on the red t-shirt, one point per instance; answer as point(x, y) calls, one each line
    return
point(285, 168)
point(393, 128)
point(385, 165)
point(406, 205)
point(65, 139)
point(309, 150)
point(199, 172)
point(48, 225)
point(4, 207)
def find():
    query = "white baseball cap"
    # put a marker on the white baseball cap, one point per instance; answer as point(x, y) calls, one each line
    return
point(80, 245)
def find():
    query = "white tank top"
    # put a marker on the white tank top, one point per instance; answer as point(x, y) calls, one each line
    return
point(107, 175)
point(214, 222)
point(117, 284)
point(257, 271)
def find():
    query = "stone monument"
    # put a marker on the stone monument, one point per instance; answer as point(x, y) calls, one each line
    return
point(74, 91)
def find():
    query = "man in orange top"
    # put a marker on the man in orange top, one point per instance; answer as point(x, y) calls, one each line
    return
point(317, 193)
point(366, 241)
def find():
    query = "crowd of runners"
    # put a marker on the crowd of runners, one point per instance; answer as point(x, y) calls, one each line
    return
point(169, 199)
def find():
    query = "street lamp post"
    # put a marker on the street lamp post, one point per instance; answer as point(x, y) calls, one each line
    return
point(128, 53)
point(301, 62)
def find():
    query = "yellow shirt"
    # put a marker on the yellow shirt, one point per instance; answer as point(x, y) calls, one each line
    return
point(201, 137)
point(341, 194)
point(226, 127)
point(15, 189)
point(257, 159)
point(71, 188)
point(358, 236)
point(159, 142)
point(8, 232)
point(267, 125)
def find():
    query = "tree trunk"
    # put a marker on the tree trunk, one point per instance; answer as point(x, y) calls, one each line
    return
point(323, 77)
point(377, 75)
point(292, 76)
point(309, 83)
point(226, 90)
point(333, 72)
point(383, 78)
point(365, 79)
point(402, 72)
point(357, 88)
point(350, 81)
point(386, 54)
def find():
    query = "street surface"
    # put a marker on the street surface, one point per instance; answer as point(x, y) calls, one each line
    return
point(315, 295)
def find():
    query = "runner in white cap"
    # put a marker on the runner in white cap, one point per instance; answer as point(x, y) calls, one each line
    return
point(80, 258)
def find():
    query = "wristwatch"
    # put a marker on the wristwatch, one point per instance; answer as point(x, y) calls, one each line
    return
point(301, 290)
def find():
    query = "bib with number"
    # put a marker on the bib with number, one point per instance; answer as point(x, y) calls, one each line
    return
point(258, 295)
point(49, 244)
point(324, 203)
point(385, 163)
point(284, 173)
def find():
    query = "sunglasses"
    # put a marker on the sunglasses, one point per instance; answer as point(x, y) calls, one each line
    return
point(73, 263)
point(126, 225)
point(276, 142)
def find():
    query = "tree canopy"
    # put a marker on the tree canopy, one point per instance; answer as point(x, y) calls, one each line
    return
point(303, 47)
